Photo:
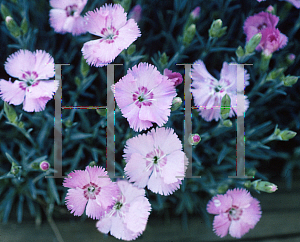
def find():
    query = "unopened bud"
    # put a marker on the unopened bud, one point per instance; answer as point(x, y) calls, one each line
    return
point(275, 73)
point(290, 80)
point(271, 10)
point(44, 165)
point(101, 112)
point(290, 59)
point(253, 43)
point(176, 103)
point(227, 123)
point(189, 34)
point(131, 49)
point(264, 186)
point(225, 105)
point(239, 52)
point(136, 13)
point(92, 164)
point(164, 59)
point(216, 30)
point(195, 14)
point(194, 139)
point(12, 26)
point(10, 113)
point(222, 188)
point(287, 135)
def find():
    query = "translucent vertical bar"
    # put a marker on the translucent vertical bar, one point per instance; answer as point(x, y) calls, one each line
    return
point(110, 129)
point(187, 147)
point(58, 125)
point(240, 128)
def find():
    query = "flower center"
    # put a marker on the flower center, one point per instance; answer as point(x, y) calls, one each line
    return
point(142, 97)
point(71, 10)
point(91, 190)
point(155, 160)
point(118, 205)
point(109, 34)
point(262, 26)
point(218, 88)
point(234, 213)
point(29, 77)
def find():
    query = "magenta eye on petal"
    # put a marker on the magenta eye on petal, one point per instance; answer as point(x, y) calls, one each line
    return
point(71, 10)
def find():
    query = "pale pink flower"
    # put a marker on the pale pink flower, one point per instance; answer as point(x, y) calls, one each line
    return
point(92, 190)
point(236, 211)
point(115, 32)
point(175, 77)
point(156, 160)
point(128, 217)
point(256, 23)
point(136, 13)
point(144, 96)
point(33, 89)
point(208, 91)
point(272, 40)
point(65, 16)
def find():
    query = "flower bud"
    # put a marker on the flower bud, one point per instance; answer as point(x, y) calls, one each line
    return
point(174, 77)
point(10, 113)
point(164, 59)
point(101, 112)
point(253, 43)
point(239, 52)
point(290, 80)
point(271, 10)
point(275, 73)
point(176, 103)
point(222, 188)
point(135, 13)
point(195, 14)
point(265, 61)
point(4, 11)
point(189, 34)
point(216, 30)
point(287, 135)
point(227, 123)
point(12, 26)
point(44, 165)
point(194, 139)
point(84, 67)
point(290, 59)
point(225, 104)
point(264, 186)
point(92, 164)
point(131, 49)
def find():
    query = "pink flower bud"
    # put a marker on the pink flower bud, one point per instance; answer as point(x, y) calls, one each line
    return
point(196, 13)
point(175, 77)
point(8, 19)
point(136, 13)
point(194, 139)
point(270, 9)
point(44, 165)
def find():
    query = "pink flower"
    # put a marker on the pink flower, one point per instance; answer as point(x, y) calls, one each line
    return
point(144, 96)
point(127, 219)
point(136, 13)
point(65, 16)
point(272, 40)
point(175, 77)
point(236, 211)
point(91, 189)
point(32, 89)
point(115, 32)
point(208, 91)
point(156, 160)
point(256, 23)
